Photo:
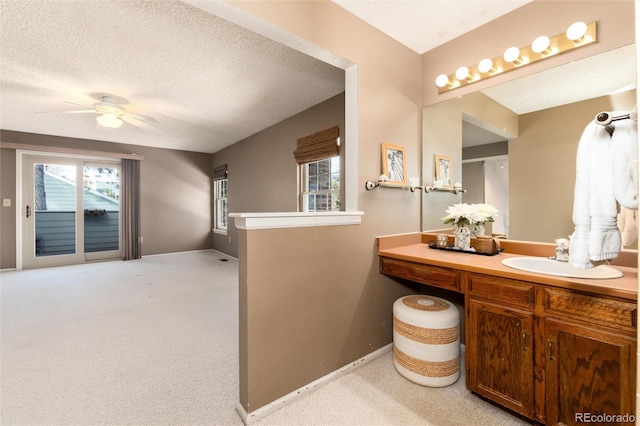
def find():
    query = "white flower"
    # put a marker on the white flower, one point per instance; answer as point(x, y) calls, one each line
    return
point(468, 214)
point(486, 211)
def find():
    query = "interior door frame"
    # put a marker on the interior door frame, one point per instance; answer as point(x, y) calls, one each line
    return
point(80, 256)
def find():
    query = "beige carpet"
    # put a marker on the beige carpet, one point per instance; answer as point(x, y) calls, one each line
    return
point(154, 341)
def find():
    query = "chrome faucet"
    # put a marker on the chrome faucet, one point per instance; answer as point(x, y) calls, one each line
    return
point(562, 250)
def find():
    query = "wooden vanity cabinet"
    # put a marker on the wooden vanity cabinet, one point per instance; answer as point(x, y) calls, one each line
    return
point(545, 352)
point(500, 356)
point(549, 353)
point(587, 371)
point(590, 356)
point(499, 341)
point(419, 272)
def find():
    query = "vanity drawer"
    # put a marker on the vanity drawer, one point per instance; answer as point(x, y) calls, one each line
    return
point(421, 273)
point(513, 292)
point(593, 309)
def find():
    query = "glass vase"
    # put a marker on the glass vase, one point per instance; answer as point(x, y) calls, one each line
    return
point(462, 240)
point(477, 229)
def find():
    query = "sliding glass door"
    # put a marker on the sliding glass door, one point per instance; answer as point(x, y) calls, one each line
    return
point(69, 210)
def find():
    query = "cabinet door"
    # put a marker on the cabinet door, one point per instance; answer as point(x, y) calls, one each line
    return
point(500, 355)
point(589, 373)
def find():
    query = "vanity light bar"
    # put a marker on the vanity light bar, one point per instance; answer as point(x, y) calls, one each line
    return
point(558, 44)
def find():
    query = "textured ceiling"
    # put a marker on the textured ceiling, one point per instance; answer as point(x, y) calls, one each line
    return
point(211, 83)
point(208, 82)
point(424, 24)
point(591, 77)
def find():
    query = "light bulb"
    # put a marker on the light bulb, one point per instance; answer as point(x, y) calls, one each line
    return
point(109, 120)
point(576, 31)
point(462, 73)
point(512, 54)
point(485, 65)
point(442, 80)
point(541, 44)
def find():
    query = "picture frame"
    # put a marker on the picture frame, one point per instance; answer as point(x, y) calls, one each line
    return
point(443, 171)
point(394, 163)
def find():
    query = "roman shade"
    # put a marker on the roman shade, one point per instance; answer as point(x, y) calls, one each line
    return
point(318, 146)
point(220, 172)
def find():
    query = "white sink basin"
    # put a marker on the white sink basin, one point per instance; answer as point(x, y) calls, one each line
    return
point(542, 265)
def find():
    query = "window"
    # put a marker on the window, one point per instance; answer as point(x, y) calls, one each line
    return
point(318, 156)
point(320, 186)
point(220, 197)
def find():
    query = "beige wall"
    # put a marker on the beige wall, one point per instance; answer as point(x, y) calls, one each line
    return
point(263, 175)
point(542, 166)
point(175, 193)
point(311, 299)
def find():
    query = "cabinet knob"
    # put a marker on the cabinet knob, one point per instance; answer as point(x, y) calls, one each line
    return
point(525, 348)
point(551, 350)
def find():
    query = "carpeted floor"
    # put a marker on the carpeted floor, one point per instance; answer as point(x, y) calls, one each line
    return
point(155, 341)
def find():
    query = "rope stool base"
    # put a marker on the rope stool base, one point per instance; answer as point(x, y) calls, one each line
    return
point(426, 339)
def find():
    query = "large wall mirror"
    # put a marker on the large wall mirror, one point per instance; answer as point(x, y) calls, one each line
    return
point(514, 144)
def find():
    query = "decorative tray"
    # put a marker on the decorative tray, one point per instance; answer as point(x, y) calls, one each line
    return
point(452, 248)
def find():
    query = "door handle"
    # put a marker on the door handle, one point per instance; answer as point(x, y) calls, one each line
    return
point(28, 211)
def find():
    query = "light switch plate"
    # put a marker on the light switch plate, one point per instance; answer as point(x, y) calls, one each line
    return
point(6, 202)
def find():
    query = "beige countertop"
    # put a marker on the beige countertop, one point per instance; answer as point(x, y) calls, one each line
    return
point(413, 249)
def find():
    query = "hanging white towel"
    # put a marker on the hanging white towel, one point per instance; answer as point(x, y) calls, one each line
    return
point(628, 225)
point(624, 155)
point(596, 237)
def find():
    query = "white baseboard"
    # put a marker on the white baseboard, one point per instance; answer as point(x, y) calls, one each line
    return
point(261, 412)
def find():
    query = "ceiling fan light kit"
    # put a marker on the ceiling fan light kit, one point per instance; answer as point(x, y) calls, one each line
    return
point(112, 116)
point(109, 120)
point(110, 113)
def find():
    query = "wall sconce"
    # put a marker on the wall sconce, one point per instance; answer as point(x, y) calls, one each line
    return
point(579, 34)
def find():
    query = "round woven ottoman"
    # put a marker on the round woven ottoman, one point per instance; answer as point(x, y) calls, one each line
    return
point(426, 340)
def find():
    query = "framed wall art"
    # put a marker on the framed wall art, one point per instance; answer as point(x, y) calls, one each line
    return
point(394, 163)
point(443, 171)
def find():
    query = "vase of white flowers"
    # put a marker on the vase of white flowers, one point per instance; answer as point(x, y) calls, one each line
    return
point(462, 237)
point(469, 219)
point(477, 229)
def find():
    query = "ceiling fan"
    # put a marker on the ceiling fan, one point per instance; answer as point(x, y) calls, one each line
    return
point(112, 116)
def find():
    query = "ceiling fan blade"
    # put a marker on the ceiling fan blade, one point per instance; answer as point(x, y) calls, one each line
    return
point(141, 117)
point(81, 105)
point(138, 123)
point(79, 111)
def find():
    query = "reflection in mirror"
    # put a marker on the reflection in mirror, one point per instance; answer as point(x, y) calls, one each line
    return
point(514, 145)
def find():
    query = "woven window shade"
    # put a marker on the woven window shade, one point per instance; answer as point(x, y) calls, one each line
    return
point(220, 172)
point(321, 145)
